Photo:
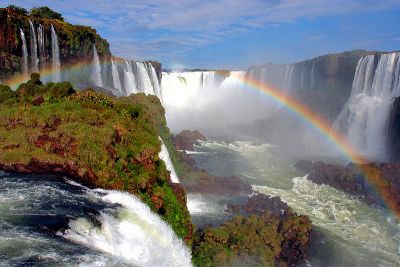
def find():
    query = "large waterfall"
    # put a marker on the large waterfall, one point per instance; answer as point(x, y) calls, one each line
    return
point(55, 50)
point(96, 68)
point(34, 49)
point(24, 53)
point(363, 120)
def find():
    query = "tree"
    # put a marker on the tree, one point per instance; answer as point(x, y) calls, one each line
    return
point(45, 12)
point(18, 10)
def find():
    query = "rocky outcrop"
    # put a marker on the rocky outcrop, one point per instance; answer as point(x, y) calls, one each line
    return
point(186, 139)
point(266, 237)
point(94, 139)
point(75, 41)
point(375, 183)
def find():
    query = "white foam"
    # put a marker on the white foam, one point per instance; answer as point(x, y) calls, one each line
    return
point(164, 155)
point(135, 234)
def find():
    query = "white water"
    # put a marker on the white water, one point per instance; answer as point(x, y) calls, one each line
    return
point(96, 69)
point(363, 119)
point(55, 51)
point(144, 83)
point(42, 45)
point(164, 155)
point(135, 234)
point(209, 101)
point(356, 225)
point(115, 76)
point(34, 56)
point(129, 79)
point(155, 82)
point(24, 54)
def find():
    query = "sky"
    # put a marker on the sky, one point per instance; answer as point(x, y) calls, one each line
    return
point(233, 34)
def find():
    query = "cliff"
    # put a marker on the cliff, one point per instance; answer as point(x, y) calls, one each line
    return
point(323, 83)
point(96, 140)
point(75, 41)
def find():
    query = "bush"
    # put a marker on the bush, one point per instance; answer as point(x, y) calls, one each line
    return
point(6, 93)
point(18, 10)
point(59, 90)
point(45, 12)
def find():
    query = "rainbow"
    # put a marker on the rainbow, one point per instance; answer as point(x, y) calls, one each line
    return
point(370, 172)
point(306, 114)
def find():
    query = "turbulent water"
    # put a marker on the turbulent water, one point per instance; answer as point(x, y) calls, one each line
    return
point(48, 221)
point(348, 231)
point(363, 119)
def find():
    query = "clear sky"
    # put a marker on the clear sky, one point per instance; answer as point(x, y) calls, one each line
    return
point(234, 33)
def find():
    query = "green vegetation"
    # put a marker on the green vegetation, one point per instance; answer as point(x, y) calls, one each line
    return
point(102, 142)
point(251, 241)
point(45, 12)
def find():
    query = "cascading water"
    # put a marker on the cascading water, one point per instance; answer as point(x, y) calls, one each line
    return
point(96, 68)
point(164, 155)
point(144, 83)
point(34, 49)
point(129, 79)
point(46, 221)
point(55, 50)
point(154, 81)
point(363, 119)
point(24, 54)
point(115, 76)
point(312, 75)
point(42, 45)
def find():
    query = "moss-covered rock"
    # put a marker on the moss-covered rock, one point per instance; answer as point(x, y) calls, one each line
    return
point(97, 140)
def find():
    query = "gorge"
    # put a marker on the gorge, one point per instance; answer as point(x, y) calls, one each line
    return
point(92, 163)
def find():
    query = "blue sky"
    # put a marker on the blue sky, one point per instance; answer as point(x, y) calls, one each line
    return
point(234, 33)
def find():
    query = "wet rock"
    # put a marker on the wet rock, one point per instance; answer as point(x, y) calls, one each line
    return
point(186, 139)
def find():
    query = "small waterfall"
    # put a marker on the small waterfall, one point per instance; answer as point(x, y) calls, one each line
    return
point(302, 76)
point(287, 81)
point(34, 49)
point(96, 69)
point(312, 75)
point(129, 79)
point(24, 54)
point(154, 81)
point(42, 45)
point(363, 119)
point(55, 50)
point(144, 84)
point(115, 76)
point(164, 155)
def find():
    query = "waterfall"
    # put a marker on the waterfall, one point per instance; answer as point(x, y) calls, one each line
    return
point(312, 75)
point(34, 56)
point(164, 155)
point(42, 45)
point(287, 80)
point(129, 79)
point(55, 50)
point(24, 54)
point(96, 68)
point(302, 75)
point(155, 82)
point(115, 76)
point(144, 84)
point(363, 119)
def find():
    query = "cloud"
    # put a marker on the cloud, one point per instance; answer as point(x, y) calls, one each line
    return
point(157, 27)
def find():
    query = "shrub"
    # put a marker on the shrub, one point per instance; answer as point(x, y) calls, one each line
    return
point(6, 93)
point(45, 12)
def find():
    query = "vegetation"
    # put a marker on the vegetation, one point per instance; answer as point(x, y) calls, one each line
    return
point(251, 241)
point(101, 141)
point(45, 12)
